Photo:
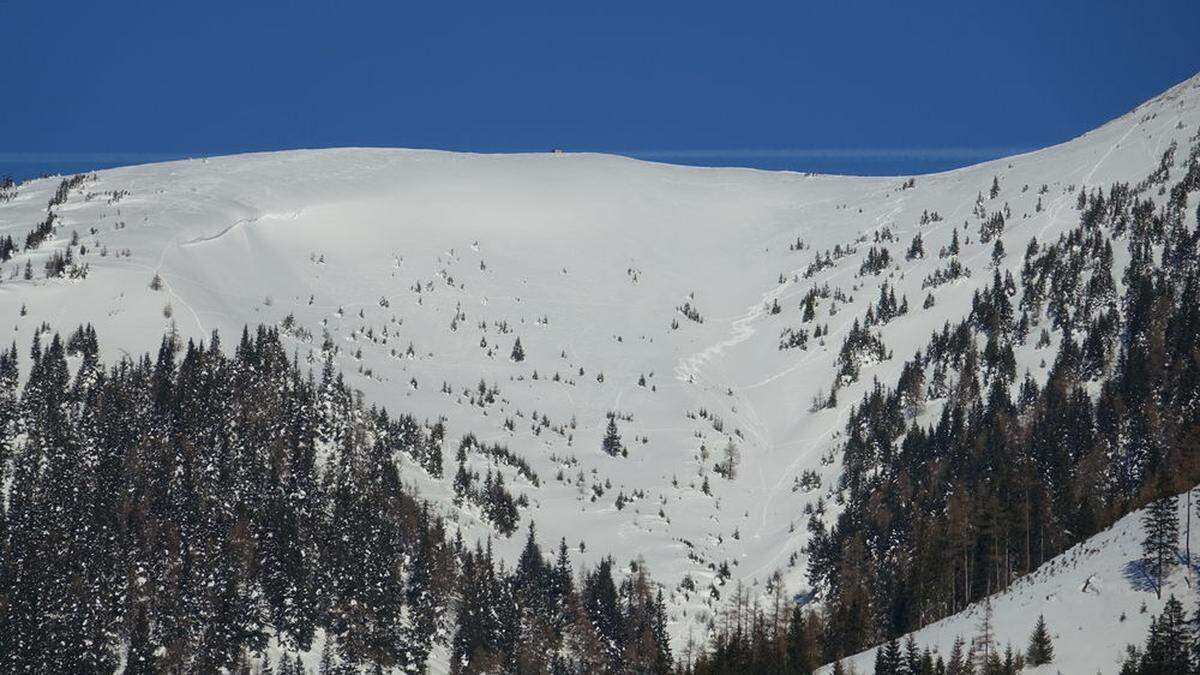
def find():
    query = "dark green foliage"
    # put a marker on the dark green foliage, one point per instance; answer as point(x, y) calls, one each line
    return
point(178, 504)
point(779, 638)
point(1161, 524)
point(916, 249)
point(181, 505)
point(861, 346)
point(532, 620)
point(938, 516)
point(1041, 648)
point(7, 248)
point(611, 445)
point(875, 261)
point(1168, 645)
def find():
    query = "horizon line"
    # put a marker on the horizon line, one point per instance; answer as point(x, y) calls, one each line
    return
point(860, 153)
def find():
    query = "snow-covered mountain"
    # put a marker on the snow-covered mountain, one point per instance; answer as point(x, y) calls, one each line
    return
point(661, 295)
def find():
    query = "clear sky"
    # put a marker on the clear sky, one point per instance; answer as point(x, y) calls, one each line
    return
point(847, 87)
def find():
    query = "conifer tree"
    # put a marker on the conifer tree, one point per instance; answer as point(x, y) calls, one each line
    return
point(1041, 648)
point(998, 252)
point(1167, 646)
point(599, 597)
point(984, 643)
point(799, 651)
point(1161, 524)
point(612, 439)
point(888, 659)
point(809, 308)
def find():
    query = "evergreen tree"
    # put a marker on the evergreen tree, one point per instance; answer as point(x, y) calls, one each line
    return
point(888, 659)
point(1161, 524)
point(998, 252)
point(809, 307)
point(612, 439)
point(959, 661)
point(911, 664)
point(1167, 646)
point(599, 597)
point(1041, 648)
point(916, 249)
point(799, 651)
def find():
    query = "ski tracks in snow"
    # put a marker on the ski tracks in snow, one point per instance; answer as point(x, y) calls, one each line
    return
point(689, 370)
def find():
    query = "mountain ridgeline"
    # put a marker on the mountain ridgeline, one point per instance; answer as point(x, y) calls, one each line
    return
point(1011, 474)
point(574, 413)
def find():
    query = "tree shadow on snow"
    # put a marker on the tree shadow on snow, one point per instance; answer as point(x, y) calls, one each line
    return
point(1140, 573)
point(1137, 574)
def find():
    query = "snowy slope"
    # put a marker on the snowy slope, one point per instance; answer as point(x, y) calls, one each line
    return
point(586, 258)
point(1096, 599)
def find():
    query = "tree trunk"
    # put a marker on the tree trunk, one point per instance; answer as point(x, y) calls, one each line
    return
point(1028, 569)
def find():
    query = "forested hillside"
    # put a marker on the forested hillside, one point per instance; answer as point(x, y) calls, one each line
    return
point(184, 512)
point(578, 413)
point(935, 517)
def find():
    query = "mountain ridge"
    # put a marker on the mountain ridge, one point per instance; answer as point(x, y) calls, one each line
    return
point(641, 291)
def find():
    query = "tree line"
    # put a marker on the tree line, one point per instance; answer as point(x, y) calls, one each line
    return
point(187, 511)
point(935, 517)
point(1012, 473)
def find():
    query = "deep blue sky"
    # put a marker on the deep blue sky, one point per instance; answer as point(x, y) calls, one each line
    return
point(850, 87)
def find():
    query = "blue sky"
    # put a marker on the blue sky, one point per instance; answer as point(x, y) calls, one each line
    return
point(847, 87)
